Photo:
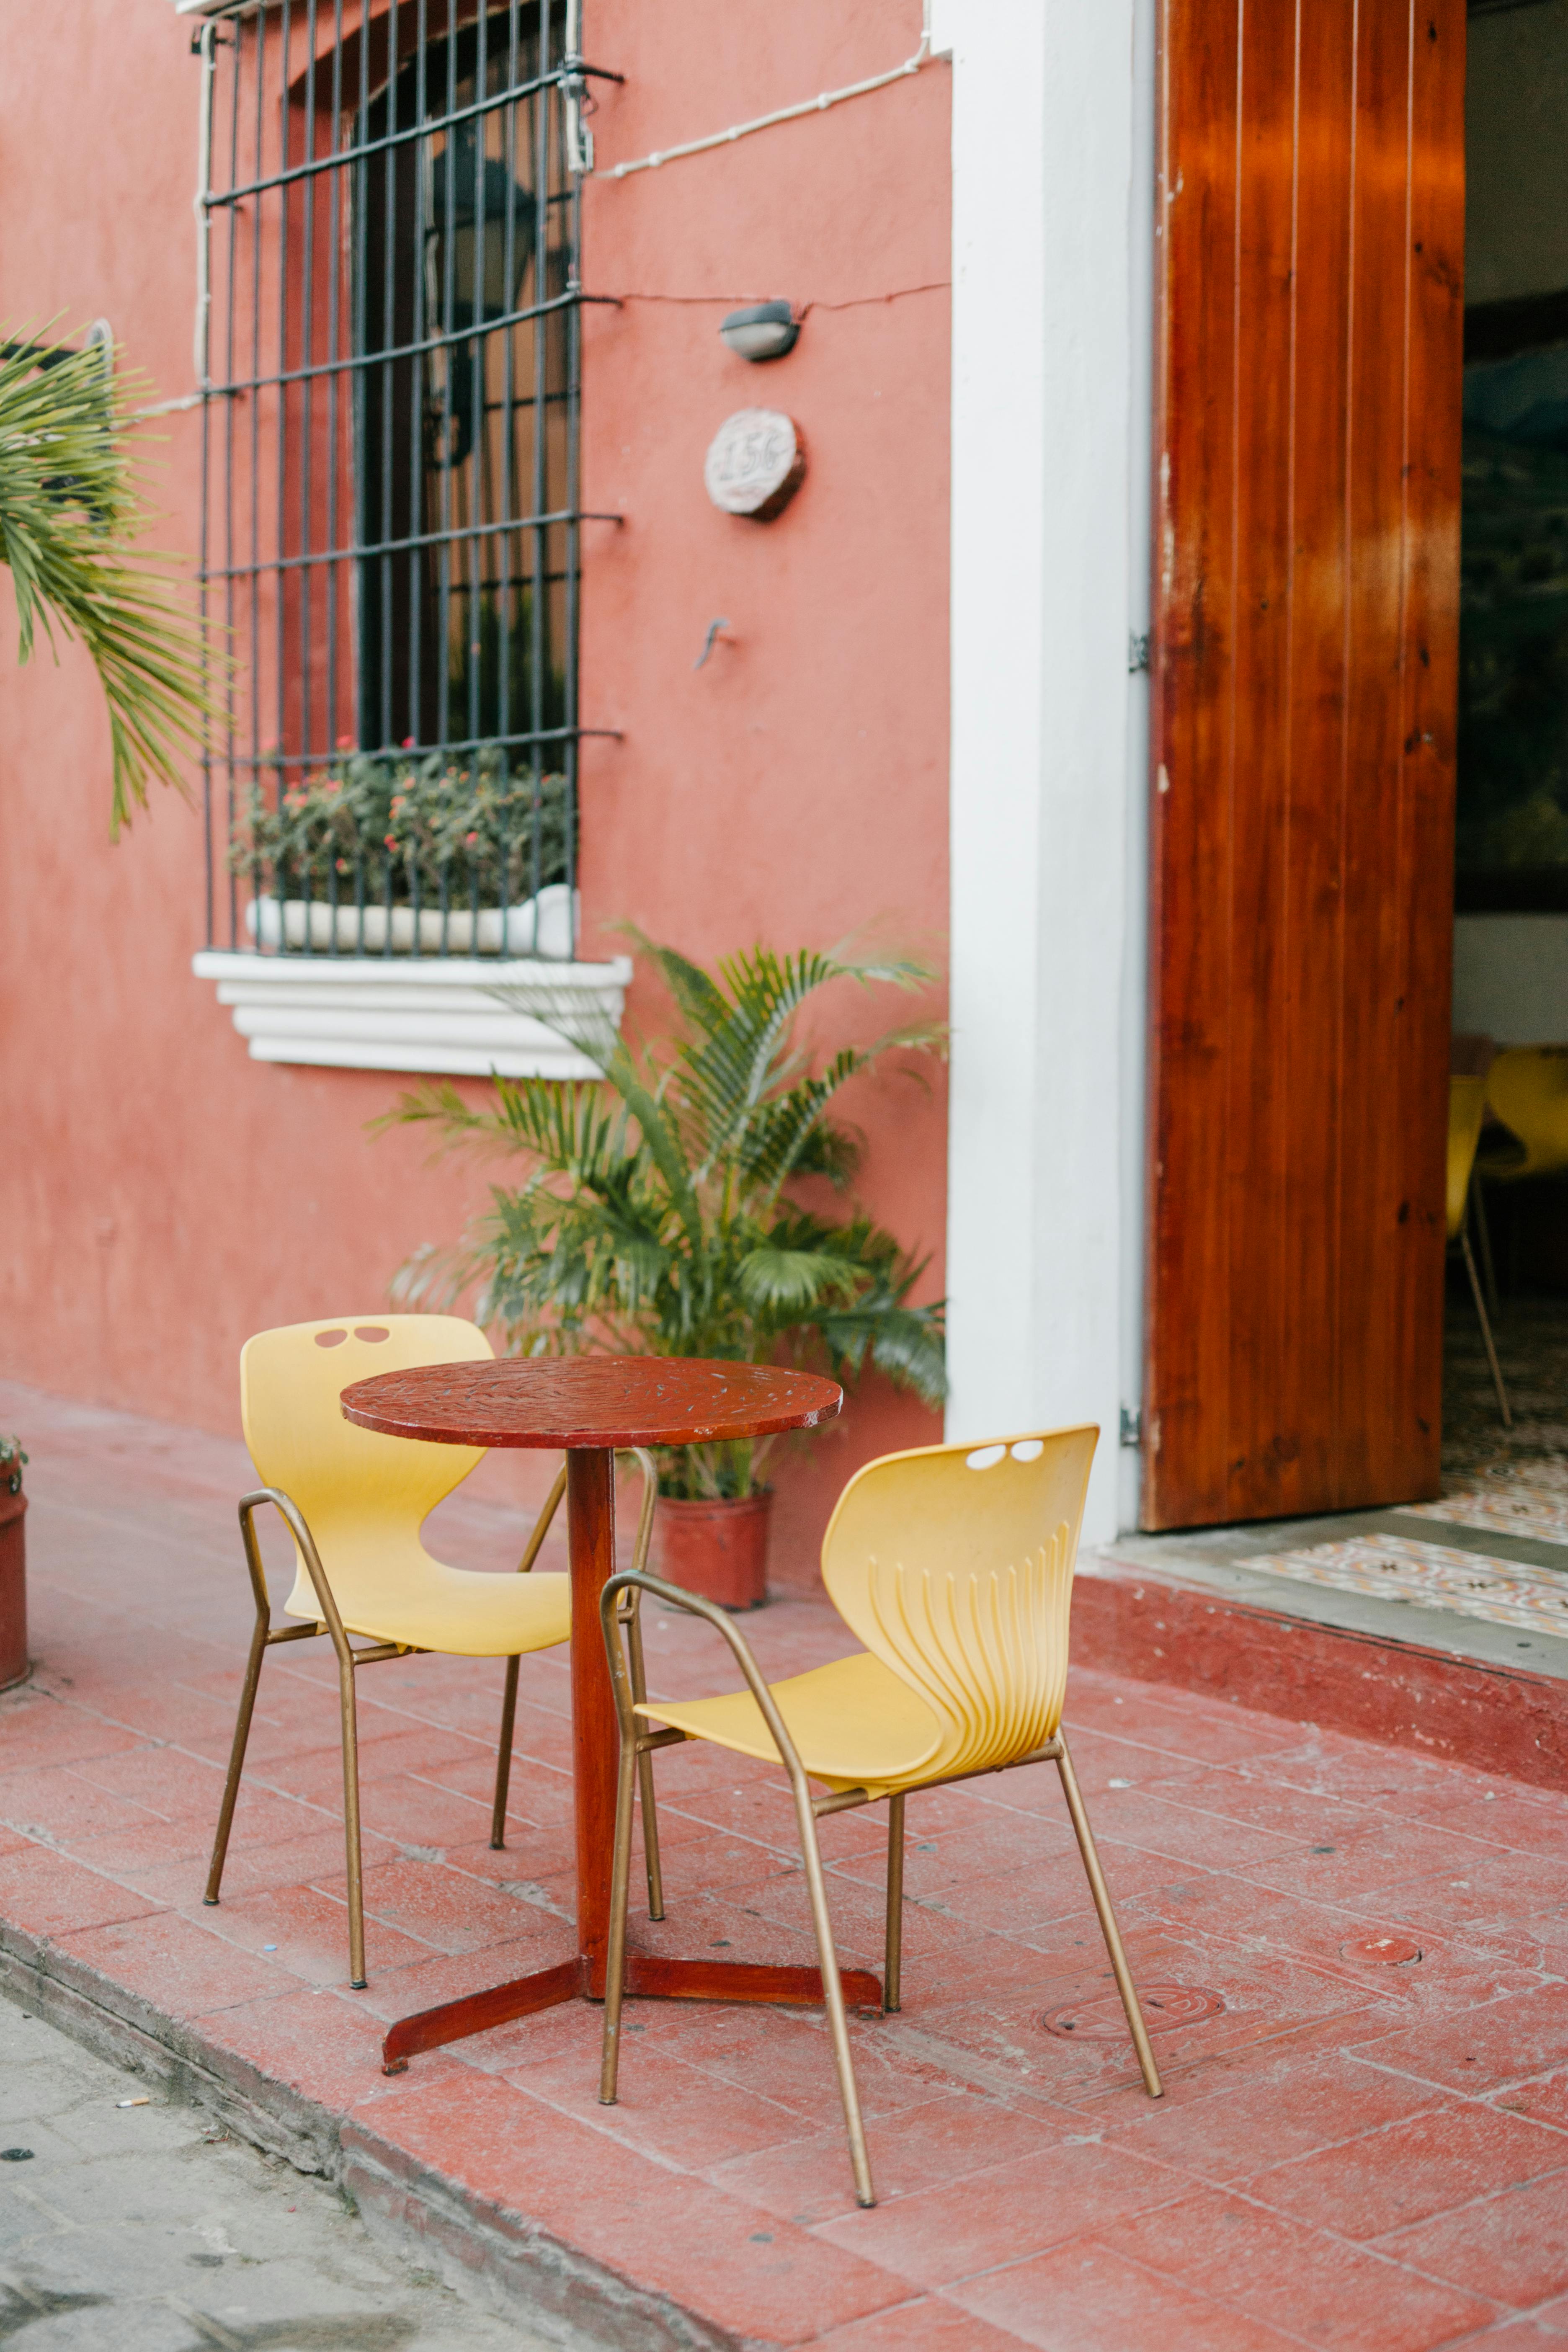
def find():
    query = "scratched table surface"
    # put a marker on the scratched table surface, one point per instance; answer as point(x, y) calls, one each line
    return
point(590, 1401)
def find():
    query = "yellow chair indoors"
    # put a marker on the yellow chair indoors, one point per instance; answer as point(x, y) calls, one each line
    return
point(1527, 1089)
point(354, 1502)
point(953, 1565)
point(1466, 1110)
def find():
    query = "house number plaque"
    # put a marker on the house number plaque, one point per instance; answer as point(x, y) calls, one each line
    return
point(756, 462)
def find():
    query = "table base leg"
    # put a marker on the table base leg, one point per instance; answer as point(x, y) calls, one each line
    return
point(428, 2029)
point(649, 1977)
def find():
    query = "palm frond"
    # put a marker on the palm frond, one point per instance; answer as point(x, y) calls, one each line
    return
point(71, 514)
point(791, 1282)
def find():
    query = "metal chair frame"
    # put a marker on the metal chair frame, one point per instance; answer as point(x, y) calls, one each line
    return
point(265, 1635)
point(1473, 1201)
point(619, 1606)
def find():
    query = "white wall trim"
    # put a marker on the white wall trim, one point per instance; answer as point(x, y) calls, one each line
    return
point(444, 1016)
point(1047, 725)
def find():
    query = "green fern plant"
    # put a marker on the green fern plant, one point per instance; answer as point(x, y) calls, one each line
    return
point(657, 1216)
point(71, 511)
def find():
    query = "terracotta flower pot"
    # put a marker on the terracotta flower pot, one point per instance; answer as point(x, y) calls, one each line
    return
point(718, 1550)
point(12, 1587)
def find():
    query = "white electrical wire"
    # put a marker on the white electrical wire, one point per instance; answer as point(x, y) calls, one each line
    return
point(819, 105)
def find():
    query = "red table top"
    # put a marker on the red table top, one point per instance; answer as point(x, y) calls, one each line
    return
point(590, 1401)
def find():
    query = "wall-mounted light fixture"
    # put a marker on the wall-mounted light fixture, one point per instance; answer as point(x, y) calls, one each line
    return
point(763, 330)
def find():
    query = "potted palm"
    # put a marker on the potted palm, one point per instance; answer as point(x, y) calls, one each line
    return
point(661, 1213)
point(13, 1564)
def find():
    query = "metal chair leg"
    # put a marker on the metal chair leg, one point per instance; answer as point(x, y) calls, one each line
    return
point(1108, 1927)
point(893, 1965)
point(1486, 1326)
point(508, 1695)
point(645, 1765)
point(833, 1994)
point(620, 1896)
point(356, 1857)
point(632, 1619)
point(1476, 1199)
point(672, 1597)
point(236, 1757)
point(503, 1757)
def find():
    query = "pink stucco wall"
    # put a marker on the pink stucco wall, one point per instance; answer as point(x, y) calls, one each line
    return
point(161, 1195)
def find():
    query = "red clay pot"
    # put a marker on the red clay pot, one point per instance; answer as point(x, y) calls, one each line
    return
point(718, 1550)
point(13, 1588)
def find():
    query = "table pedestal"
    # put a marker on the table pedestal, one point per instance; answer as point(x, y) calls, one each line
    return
point(595, 1744)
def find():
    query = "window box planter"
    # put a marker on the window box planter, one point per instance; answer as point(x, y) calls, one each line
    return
point(539, 927)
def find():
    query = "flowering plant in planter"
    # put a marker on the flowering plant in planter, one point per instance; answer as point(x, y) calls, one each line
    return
point(13, 1461)
point(660, 1213)
point(415, 842)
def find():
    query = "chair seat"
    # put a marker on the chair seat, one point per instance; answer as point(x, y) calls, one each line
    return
point(472, 1614)
point(855, 1725)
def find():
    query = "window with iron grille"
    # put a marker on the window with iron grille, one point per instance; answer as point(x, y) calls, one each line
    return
point(390, 463)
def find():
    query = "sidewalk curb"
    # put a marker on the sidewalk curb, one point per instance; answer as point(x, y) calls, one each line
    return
point(491, 2255)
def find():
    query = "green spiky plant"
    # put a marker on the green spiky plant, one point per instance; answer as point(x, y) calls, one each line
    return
point(657, 1215)
point(70, 512)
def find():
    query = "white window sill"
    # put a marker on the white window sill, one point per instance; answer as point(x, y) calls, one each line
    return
point(433, 1014)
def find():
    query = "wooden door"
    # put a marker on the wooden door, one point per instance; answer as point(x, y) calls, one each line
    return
point(1310, 243)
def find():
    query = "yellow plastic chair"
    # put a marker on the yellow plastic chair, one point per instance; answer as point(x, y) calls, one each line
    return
point(1527, 1089)
point(1467, 1110)
point(354, 1502)
point(954, 1565)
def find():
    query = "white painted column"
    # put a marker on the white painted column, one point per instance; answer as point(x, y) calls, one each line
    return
point(1049, 431)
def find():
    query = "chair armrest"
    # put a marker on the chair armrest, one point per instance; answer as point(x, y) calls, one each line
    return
point(675, 1597)
point(294, 1518)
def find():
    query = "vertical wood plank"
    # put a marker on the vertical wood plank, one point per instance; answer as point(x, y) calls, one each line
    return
point(1186, 1420)
point(1312, 176)
point(1430, 668)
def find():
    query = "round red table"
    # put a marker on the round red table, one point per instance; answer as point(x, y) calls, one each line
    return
point(589, 1405)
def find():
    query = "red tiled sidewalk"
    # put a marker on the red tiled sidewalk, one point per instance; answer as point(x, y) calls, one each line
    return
point(1350, 2155)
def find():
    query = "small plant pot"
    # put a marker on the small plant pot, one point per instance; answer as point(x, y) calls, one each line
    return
point(12, 1587)
point(717, 1550)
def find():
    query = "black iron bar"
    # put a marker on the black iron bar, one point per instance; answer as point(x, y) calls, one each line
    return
point(334, 331)
point(418, 130)
point(505, 525)
point(425, 344)
point(280, 891)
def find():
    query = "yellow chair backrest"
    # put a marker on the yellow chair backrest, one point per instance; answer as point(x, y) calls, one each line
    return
point(1527, 1089)
point(955, 1566)
point(1466, 1108)
point(364, 1497)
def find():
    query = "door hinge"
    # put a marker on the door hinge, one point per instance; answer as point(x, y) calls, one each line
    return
point(1137, 651)
point(1131, 1425)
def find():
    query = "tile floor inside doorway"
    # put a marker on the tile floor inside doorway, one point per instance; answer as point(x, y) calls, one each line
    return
point(1510, 1483)
point(1359, 2148)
